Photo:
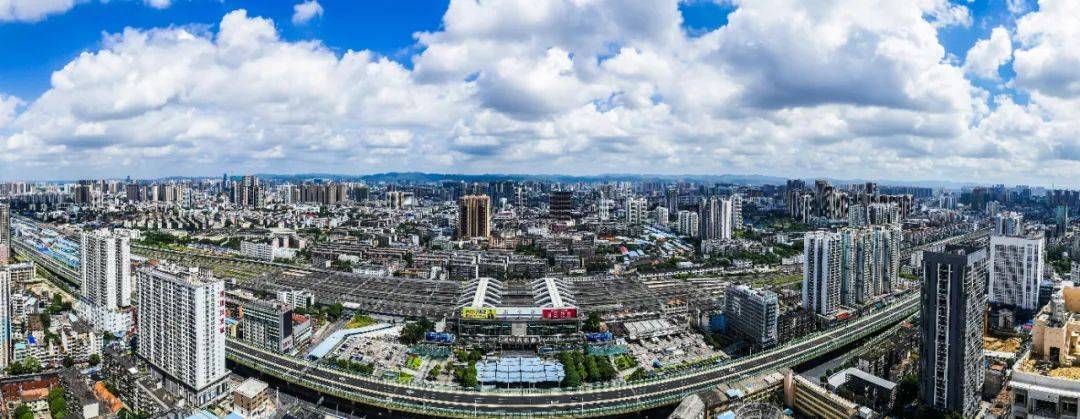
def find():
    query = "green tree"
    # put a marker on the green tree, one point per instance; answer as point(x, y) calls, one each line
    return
point(68, 361)
point(592, 322)
point(95, 359)
point(128, 414)
point(341, 265)
point(606, 370)
point(433, 373)
point(32, 365)
point(466, 375)
point(469, 377)
point(23, 412)
point(637, 374)
point(57, 404)
point(29, 366)
point(906, 393)
point(592, 369)
point(579, 361)
point(57, 304)
point(571, 378)
point(334, 311)
point(414, 332)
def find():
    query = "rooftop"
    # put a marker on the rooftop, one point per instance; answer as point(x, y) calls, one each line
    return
point(251, 388)
point(519, 370)
point(841, 377)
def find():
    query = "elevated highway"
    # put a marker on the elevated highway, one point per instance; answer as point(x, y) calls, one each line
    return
point(595, 400)
point(586, 401)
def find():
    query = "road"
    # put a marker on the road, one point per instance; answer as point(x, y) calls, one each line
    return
point(588, 401)
point(594, 401)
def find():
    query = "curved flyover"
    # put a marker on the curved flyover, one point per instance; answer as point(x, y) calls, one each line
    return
point(586, 401)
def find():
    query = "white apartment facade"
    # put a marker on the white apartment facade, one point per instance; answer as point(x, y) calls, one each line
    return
point(106, 282)
point(688, 223)
point(5, 318)
point(822, 272)
point(181, 316)
point(603, 208)
point(715, 219)
point(1016, 270)
point(662, 216)
point(636, 210)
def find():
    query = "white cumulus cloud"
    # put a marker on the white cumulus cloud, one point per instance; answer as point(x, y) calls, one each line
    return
point(984, 59)
point(159, 4)
point(7, 109)
point(32, 10)
point(846, 88)
point(37, 10)
point(304, 12)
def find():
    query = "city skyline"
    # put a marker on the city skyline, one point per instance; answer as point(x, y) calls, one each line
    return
point(921, 90)
point(461, 289)
point(421, 177)
point(251, 209)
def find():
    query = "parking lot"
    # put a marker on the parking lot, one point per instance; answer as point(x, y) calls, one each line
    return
point(672, 350)
point(390, 358)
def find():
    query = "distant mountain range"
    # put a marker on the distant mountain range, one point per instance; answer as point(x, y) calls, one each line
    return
point(421, 177)
point(755, 180)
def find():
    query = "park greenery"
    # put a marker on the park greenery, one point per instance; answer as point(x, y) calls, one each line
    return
point(414, 332)
point(788, 250)
point(353, 366)
point(472, 355)
point(1057, 257)
point(638, 374)
point(164, 240)
point(466, 375)
point(29, 365)
point(58, 406)
point(360, 320)
point(580, 368)
point(592, 322)
point(23, 412)
point(331, 312)
point(434, 372)
point(625, 361)
point(58, 305)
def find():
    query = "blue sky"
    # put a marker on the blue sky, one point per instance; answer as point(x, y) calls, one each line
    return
point(842, 88)
point(30, 52)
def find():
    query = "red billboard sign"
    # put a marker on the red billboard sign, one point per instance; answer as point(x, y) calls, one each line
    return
point(559, 313)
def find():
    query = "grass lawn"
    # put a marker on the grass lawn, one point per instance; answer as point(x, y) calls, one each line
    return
point(360, 320)
point(625, 361)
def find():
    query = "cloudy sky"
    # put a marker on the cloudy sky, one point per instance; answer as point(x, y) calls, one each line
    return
point(983, 90)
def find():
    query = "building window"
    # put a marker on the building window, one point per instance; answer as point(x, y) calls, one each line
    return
point(1068, 407)
point(1045, 408)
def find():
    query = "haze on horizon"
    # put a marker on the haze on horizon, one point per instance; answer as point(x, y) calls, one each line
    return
point(960, 91)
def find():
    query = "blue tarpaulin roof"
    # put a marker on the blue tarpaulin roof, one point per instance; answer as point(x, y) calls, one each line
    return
point(519, 370)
